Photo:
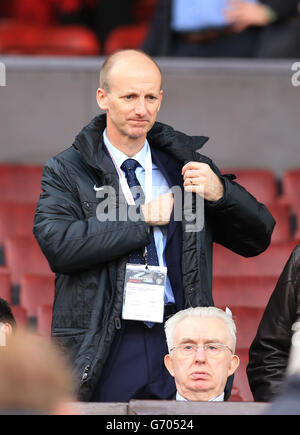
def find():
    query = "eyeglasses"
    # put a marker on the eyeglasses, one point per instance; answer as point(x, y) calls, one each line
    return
point(210, 349)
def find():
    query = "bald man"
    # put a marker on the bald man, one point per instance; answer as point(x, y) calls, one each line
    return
point(126, 220)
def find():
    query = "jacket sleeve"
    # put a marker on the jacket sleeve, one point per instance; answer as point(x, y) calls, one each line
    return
point(71, 242)
point(269, 352)
point(240, 222)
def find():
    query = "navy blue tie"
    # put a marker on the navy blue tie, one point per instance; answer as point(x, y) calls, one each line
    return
point(129, 166)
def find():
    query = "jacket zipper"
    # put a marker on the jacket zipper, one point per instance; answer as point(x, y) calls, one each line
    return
point(85, 373)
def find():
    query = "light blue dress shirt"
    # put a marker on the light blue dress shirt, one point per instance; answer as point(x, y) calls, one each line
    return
point(196, 15)
point(159, 187)
point(219, 398)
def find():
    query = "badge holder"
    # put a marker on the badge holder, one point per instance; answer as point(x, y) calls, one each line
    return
point(144, 290)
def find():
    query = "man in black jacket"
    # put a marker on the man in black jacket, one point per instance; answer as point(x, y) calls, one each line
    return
point(90, 226)
point(287, 402)
point(267, 28)
point(269, 353)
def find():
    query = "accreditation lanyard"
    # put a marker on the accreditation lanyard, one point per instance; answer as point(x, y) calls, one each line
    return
point(148, 179)
point(144, 285)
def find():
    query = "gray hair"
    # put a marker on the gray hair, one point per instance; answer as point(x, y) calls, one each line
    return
point(201, 312)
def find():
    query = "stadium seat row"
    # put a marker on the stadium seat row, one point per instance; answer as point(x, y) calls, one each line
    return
point(43, 318)
point(21, 183)
point(16, 218)
point(35, 30)
point(20, 189)
point(18, 38)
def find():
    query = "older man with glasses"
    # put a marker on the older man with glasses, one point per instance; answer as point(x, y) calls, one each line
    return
point(201, 343)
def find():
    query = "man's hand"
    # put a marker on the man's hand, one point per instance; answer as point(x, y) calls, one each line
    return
point(200, 178)
point(243, 14)
point(158, 211)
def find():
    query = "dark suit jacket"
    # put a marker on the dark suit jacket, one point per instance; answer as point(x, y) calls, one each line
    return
point(171, 171)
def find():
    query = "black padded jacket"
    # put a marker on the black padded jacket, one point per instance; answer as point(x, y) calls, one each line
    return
point(269, 352)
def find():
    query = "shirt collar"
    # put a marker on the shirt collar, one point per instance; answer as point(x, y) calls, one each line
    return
point(120, 157)
point(219, 398)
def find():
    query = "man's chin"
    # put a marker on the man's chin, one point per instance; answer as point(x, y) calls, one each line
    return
point(138, 133)
point(196, 394)
point(200, 386)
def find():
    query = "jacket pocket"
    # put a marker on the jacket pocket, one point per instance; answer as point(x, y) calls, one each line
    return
point(69, 340)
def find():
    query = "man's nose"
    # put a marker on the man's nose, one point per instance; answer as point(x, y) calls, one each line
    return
point(140, 106)
point(200, 354)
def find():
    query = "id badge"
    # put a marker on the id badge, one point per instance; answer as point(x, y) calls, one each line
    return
point(144, 290)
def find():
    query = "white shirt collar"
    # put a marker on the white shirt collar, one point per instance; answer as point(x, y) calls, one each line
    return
point(120, 157)
point(219, 398)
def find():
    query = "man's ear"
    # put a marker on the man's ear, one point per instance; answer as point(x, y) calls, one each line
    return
point(169, 364)
point(235, 362)
point(8, 329)
point(101, 97)
point(161, 93)
point(5, 331)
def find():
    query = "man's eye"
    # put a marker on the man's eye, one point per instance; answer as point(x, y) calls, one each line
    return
point(212, 348)
point(188, 347)
point(129, 97)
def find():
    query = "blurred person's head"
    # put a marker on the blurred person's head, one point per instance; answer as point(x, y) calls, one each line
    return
point(35, 376)
point(7, 321)
point(201, 343)
point(130, 94)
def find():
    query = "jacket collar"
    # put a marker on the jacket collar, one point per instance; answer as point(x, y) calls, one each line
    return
point(89, 142)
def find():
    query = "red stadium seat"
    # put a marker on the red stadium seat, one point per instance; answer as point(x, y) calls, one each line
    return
point(247, 320)
point(297, 213)
point(144, 10)
point(18, 38)
point(235, 394)
point(23, 255)
point(261, 183)
point(6, 10)
point(20, 183)
point(291, 195)
point(282, 230)
point(16, 219)
point(291, 187)
point(36, 290)
point(47, 12)
point(33, 11)
point(126, 37)
point(248, 291)
point(44, 318)
point(5, 285)
point(70, 40)
point(20, 315)
point(241, 389)
point(269, 263)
